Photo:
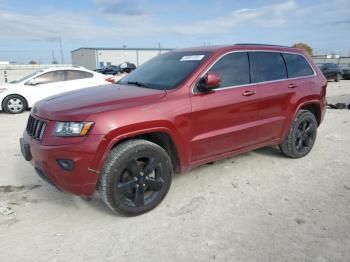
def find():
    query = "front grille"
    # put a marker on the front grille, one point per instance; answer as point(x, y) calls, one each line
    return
point(36, 128)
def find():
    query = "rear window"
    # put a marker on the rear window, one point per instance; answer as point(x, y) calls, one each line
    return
point(76, 74)
point(297, 66)
point(267, 66)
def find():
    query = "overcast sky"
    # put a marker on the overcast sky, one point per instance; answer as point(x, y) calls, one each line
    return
point(30, 29)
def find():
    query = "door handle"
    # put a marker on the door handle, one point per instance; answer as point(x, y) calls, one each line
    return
point(292, 86)
point(248, 93)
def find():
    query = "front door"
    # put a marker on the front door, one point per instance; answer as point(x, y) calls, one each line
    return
point(224, 120)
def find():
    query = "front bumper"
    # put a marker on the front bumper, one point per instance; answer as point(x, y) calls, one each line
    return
point(81, 180)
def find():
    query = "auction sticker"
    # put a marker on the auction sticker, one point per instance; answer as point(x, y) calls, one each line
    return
point(192, 58)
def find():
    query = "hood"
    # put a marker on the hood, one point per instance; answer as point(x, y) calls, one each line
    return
point(79, 104)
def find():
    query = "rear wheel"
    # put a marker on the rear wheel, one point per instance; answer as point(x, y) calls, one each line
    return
point(136, 177)
point(14, 104)
point(301, 136)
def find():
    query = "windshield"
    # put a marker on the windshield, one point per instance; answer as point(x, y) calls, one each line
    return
point(26, 77)
point(166, 71)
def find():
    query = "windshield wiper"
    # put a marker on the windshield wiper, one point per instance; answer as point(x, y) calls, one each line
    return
point(136, 83)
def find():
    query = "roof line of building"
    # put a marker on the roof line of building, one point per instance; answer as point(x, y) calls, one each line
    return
point(126, 48)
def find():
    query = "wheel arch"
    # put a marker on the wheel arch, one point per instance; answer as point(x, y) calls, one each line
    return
point(314, 106)
point(160, 136)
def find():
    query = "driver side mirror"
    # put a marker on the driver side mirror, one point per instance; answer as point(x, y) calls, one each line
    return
point(209, 82)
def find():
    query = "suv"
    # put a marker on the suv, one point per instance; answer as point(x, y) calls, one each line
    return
point(331, 71)
point(179, 110)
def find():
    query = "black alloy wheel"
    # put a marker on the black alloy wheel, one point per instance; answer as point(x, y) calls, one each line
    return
point(136, 177)
point(301, 136)
point(305, 135)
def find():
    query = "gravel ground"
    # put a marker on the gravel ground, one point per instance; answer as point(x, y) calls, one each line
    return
point(257, 206)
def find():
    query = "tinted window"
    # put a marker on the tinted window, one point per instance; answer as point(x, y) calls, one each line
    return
point(267, 66)
point(297, 65)
point(76, 74)
point(168, 70)
point(233, 69)
point(50, 77)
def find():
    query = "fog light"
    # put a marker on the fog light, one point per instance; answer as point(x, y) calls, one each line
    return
point(66, 164)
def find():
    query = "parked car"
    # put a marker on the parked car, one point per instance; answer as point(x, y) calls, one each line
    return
point(109, 70)
point(345, 71)
point(119, 69)
point(21, 94)
point(331, 71)
point(179, 110)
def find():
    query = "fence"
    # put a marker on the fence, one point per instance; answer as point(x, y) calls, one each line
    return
point(341, 61)
point(14, 72)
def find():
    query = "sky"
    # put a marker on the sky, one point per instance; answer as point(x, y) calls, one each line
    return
point(30, 30)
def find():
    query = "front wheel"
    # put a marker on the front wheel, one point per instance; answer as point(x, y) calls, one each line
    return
point(301, 136)
point(14, 104)
point(337, 78)
point(136, 177)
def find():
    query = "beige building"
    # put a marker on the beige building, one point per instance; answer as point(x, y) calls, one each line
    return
point(94, 58)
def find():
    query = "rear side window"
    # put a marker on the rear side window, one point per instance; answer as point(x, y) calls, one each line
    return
point(233, 69)
point(297, 65)
point(267, 66)
point(76, 74)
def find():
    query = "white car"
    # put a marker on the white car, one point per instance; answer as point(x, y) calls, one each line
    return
point(17, 96)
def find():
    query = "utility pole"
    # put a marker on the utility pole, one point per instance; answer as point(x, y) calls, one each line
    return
point(61, 50)
point(159, 48)
point(53, 57)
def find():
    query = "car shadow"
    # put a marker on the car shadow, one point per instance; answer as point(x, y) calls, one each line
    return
point(47, 193)
point(273, 151)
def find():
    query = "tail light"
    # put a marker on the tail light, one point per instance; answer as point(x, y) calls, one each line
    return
point(110, 79)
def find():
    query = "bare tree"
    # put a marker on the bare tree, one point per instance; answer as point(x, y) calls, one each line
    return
point(304, 46)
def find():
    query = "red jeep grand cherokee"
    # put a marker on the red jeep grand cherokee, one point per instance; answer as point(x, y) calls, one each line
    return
point(181, 109)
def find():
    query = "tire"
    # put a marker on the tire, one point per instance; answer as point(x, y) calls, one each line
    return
point(14, 104)
point(337, 78)
point(301, 136)
point(136, 177)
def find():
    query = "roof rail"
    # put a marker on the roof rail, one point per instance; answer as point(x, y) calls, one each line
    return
point(261, 44)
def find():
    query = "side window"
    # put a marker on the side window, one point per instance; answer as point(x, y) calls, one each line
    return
point(267, 66)
point(50, 77)
point(297, 66)
point(233, 69)
point(76, 74)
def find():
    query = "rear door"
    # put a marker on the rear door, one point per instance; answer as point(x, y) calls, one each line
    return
point(76, 79)
point(224, 120)
point(269, 71)
point(280, 77)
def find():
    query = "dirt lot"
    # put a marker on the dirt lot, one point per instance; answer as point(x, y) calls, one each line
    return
point(258, 206)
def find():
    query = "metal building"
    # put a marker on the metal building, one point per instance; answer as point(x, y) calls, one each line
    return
point(95, 58)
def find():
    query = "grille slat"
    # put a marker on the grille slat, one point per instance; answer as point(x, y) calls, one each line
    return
point(36, 128)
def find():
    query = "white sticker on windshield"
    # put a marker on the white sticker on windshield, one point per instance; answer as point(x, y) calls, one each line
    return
point(192, 58)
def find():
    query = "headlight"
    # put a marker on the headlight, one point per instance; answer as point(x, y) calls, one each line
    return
point(72, 128)
point(3, 90)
